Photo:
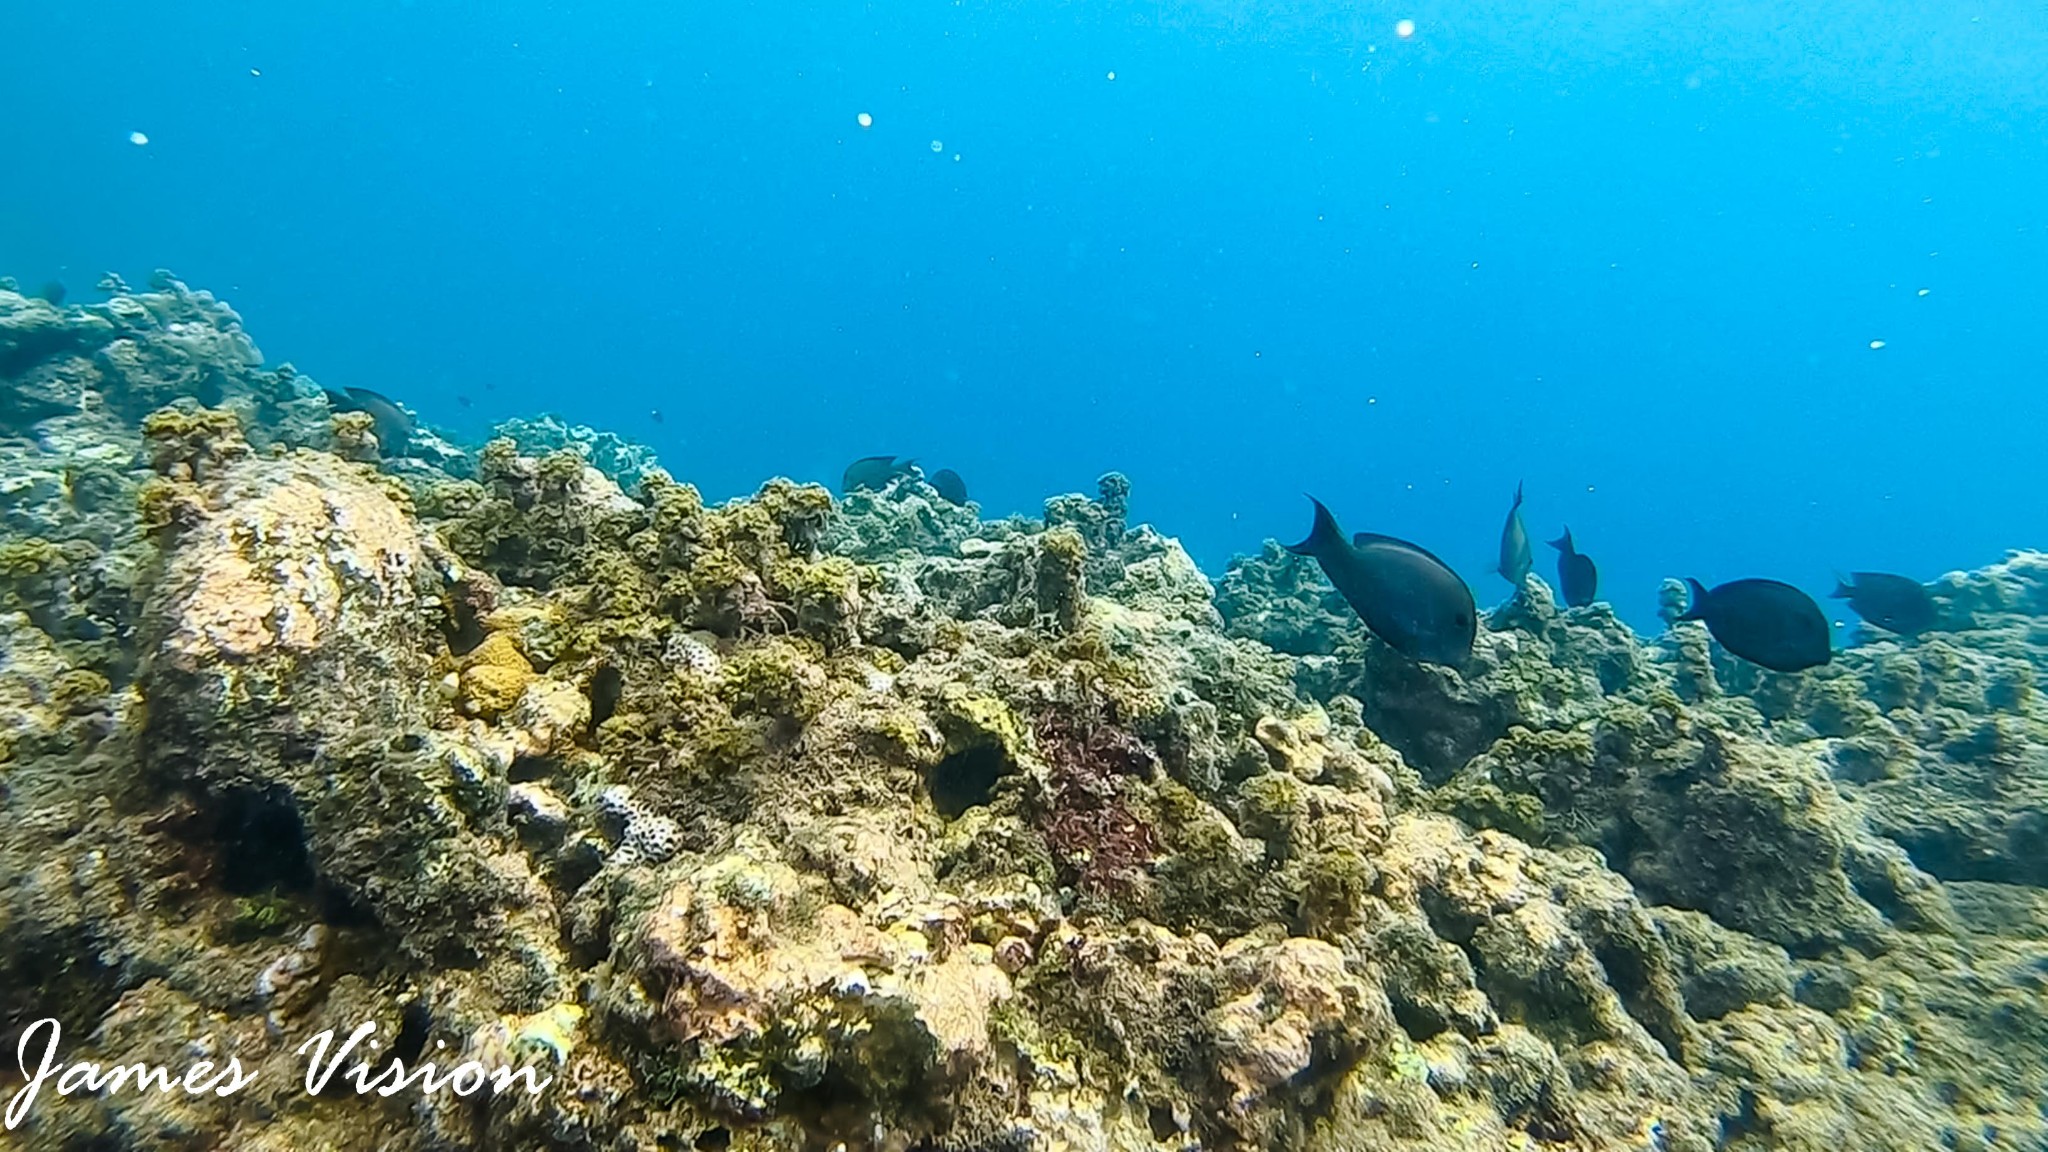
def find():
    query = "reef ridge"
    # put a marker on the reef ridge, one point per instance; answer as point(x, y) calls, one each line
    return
point(796, 822)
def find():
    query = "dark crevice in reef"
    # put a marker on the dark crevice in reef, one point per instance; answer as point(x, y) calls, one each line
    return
point(1164, 1126)
point(262, 843)
point(53, 977)
point(463, 626)
point(344, 909)
point(1629, 973)
point(1421, 1023)
point(1436, 734)
point(1955, 853)
point(30, 347)
point(607, 686)
point(527, 769)
point(967, 778)
point(415, 1024)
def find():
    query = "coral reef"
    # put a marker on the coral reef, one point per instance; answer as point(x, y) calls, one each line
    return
point(793, 823)
point(618, 458)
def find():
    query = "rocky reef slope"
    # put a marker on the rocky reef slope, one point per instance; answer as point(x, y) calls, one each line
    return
point(796, 823)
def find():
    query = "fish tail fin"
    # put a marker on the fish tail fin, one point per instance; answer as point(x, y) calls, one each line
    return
point(1698, 601)
point(1321, 538)
point(1564, 543)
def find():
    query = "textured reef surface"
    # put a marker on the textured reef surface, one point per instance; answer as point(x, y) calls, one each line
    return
point(798, 823)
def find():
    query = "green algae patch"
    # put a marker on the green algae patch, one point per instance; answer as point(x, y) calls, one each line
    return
point(258, 917)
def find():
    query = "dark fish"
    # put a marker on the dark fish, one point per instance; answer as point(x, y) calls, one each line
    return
point(394, 426)
point(1575, 572)
point(1514, 544)
point(54, 293)
point(872, 472)
point(654, 415)
point(950, 486)
point(464, 401)
point(1764, 622)
point(1895, 603)
point(1407, 597)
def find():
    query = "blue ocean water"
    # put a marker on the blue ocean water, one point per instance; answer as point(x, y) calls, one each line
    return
point(1736, 289)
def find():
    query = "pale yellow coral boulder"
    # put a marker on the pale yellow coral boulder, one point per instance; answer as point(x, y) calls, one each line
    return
point(494, 676)
point(289, 554)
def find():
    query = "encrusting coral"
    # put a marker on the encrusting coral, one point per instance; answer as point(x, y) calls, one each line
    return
point(794, 823)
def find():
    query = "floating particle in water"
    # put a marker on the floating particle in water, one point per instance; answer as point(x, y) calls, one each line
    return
point(864, 120)
point(956, 157)
point(938, 145)
point(1923, 292)
point(138, 139)
point(1404, 28)
point(1876, 344)
point(1112, 76)
point(255, 71)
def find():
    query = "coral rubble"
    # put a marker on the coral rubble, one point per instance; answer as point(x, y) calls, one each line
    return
point(794, 823)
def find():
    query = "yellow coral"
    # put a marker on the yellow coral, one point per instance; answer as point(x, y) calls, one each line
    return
point(494, 676)
point(972, 717)
point(905, 734)
point(187, 442)
point(1291, 751)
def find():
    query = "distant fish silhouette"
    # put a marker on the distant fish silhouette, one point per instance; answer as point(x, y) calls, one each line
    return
point(464, 401)
point(1765, 622)
point(873, 473)
point(1514, 544)
point(654, 414)
point(1405, 595)
point(54, 293)
point(394, 426)
point(1575, 572)
point(950, 486)
point(1895, 603)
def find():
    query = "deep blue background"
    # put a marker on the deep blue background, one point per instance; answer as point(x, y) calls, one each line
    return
point(1632, 253)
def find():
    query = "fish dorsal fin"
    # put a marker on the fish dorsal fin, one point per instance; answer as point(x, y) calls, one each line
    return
point(1363, 539)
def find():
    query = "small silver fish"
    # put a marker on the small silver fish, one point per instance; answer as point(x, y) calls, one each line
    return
point(1514, 545)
